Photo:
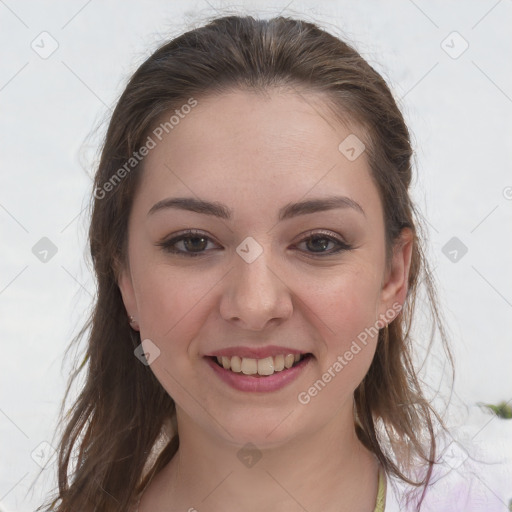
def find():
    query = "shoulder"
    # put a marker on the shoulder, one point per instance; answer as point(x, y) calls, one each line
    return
point(474, 473)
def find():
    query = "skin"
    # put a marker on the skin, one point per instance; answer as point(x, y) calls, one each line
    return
point(255, 154)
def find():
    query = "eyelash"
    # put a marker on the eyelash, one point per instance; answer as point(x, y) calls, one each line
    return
point(167, 245)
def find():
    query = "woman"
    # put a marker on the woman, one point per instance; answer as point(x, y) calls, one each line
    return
point(258, 257)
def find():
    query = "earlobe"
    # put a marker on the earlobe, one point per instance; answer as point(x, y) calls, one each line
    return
point(124, 281)
point(394, 289)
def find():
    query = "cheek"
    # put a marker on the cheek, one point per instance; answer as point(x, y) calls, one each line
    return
point(346, 304)
point(169, 302)
point(345, 316)
point(171, 308)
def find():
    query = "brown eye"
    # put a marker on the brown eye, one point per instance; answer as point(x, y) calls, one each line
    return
point(318, 244)
point(187, 244)
point(195, 244)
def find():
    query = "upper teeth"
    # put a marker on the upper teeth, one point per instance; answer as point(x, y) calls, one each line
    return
point(266, 366)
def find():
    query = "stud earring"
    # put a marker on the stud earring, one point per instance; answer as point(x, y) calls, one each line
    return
point(133, 323)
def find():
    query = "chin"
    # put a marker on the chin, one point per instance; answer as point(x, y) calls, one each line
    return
point(263, 430)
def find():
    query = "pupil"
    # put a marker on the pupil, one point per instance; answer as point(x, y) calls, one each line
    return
point(193, 246)
point(323, 245)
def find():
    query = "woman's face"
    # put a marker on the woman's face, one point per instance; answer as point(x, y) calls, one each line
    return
point(267, 272)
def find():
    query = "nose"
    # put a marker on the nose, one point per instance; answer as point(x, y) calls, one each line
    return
point(256, 295)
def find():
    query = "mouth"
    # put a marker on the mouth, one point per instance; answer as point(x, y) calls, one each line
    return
point(260, 367)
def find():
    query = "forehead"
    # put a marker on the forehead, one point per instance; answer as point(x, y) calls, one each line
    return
point(274, 147)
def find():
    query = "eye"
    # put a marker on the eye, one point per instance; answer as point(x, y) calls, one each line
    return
point(190, 243)
point(317, 244)
point(195, 243)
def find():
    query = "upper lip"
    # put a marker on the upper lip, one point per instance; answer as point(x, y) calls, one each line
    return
point(255, 352)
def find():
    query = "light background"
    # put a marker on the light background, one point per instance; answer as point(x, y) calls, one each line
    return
point(458, 109)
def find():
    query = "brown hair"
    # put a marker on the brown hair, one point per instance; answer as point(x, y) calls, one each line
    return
point(108, 422)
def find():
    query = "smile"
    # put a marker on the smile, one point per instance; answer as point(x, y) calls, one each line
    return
point(264, 367)
point(244, 374)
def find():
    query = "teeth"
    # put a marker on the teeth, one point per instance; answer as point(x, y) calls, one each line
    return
point(279, 363)
point(267, 366)
point(234, 364)
point(249, 366)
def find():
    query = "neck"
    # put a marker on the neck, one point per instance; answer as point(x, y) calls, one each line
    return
point(328, 470)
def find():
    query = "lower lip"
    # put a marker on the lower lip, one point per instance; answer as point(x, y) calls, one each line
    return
point(259, 384)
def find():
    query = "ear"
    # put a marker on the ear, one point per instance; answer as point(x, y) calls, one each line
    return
point(395, 283)
point(124, 281)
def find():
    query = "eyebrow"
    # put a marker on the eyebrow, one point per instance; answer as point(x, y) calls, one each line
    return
point(288, 211)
